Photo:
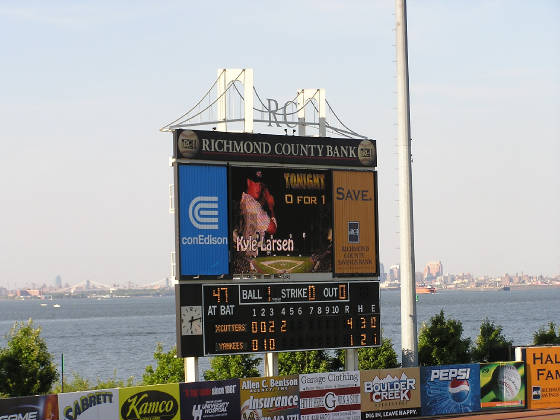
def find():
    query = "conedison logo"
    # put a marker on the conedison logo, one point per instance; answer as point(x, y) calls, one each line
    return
point(203, 212)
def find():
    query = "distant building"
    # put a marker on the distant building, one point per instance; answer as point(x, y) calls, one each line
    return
point(433, 270)
point(28, 292)
point(58, 282)
point(382, 274)
point(395, 273)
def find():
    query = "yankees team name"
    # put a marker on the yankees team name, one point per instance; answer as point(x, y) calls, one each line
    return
point(450, 374)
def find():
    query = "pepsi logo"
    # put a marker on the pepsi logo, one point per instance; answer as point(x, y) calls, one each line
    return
point(459, 390)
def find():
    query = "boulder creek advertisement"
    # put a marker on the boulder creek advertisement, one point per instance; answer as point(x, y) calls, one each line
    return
point(390, 393)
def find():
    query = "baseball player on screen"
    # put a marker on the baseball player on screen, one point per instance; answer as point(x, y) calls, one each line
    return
point(257, 212)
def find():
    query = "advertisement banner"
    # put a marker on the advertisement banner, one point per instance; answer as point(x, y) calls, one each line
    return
point(543, 377)
point(155, 402)
point(98, 404)
point(334, 395)
point(390, 393)
point(210, 400)
point(502, 385)
point(270, 398)
point(38, 407)
point(281, 220)
point(355, 223)
point(203, 220)
point(450, 389)
point(249, 147)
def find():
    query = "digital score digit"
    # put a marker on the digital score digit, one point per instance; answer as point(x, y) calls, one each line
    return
point(265, 317)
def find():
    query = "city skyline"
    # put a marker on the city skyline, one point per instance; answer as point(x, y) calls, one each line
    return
point(387, 274)
point(85, 170)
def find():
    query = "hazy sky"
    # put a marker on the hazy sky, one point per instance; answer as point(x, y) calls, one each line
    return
point(85, 86)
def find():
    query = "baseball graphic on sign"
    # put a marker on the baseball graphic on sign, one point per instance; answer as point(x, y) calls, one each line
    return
point(507, 382)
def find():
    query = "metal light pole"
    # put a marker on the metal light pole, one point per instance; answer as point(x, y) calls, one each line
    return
point(409, 337)
point(62, 372)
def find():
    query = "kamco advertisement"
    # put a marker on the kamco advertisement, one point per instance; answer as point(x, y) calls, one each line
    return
point(502, 385)
point(543, 377)
point(98, 404)
point(355, 223)
point(281, 220)
point(156, 402)
point(334, 395)
point(450, 389)
point(43, 407)
point(210, 400)
point(270, 398)
point(203, 216)
point(248, 147)
point(390, 393)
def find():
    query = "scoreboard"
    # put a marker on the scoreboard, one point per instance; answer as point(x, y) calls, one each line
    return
point(276, 243)
point(273, 317)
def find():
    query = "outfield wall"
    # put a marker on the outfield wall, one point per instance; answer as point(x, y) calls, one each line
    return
point(367, 394)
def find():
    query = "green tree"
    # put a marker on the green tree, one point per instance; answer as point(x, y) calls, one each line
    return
point(26, 366)
point(79, 383)
point(440, 342)
point(543, 336)
point(382, 357)
point(313, 361)
point(235, 366)
point(491, 345)
point(169, 368)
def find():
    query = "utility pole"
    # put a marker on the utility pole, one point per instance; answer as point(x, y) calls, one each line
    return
point(409, 336)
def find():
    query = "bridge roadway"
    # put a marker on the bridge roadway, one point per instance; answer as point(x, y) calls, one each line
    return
point(549, 414)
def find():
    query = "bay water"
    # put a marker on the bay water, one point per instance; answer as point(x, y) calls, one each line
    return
point(117, 337)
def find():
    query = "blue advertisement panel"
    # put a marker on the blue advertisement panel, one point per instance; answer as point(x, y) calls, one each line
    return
point(203, 220)
point(450, 389)
point(213, 400)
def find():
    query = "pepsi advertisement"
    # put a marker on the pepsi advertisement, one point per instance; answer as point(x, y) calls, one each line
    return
point(203, 220)
point(450, 389)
